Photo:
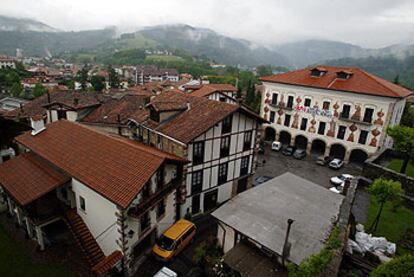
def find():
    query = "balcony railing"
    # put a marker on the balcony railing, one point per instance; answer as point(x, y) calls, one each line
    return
point(153, 199)
point(349, 119)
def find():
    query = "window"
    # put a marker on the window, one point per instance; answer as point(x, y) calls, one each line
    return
point(307, 102)
point(161, 208)
point(226, 125)
point(303, 124)
point(146, 191)
point(345, 111)
point(368, 115)
point(290, 102)
point(160, 177)
point(145, 222)
point(224, 146)
point(195, 205)
point(61, 114)
point(244, 166)
point(82, 203)
point(198, 152)
point(197, 181)
point(222, 99)
point(363, 137)
point(287, 120)
point(241, 185)
point(272, 117)
point(274, 99)
point(222, 174)
point(341, 132)
point(325, 105)
point(321, 129)
point(247, 140)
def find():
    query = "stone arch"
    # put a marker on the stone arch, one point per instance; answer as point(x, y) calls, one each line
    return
point(285, 137)
point(270, 134)
point(358, 156)
point(318, 147)
point(301, 142)
point(337, 151)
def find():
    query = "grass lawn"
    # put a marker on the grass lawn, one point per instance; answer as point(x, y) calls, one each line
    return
point(396, 164)
point(392, 225)
point(14, 261)
point(166, 58)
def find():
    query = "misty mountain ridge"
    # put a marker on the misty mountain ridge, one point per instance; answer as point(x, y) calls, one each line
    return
point(34, 37)
point(24, 25)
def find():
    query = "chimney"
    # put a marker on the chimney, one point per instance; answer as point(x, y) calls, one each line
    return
point(21, 107)
point(75, 101)
point(37, 124)
point(345, 189)
point(188, 105)
point(287, 245)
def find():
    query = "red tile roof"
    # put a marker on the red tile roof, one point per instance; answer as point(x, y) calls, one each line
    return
point(112, 167)
point(209, 89)
point(108, 263)
point(28, 177)
point(67, 98)
point(191, 121)
point(359, 82)
point(109, 111)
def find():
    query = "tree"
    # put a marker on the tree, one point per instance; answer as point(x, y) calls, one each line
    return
point(384, 190)
point(264, 70)
point(82, 77)
point(403, 142)
point(250, 94)
point(39, 90)
point(16, 89)
point(113, 77)
point(398, 267)
point(407, 118)
point(98, 82)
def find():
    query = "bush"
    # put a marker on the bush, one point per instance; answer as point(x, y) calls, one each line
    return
point(398, 267)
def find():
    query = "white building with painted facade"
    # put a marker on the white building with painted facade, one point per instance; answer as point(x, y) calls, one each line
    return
point(332, 111)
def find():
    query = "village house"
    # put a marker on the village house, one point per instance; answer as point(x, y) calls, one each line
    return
point(332, 111)
point(149, 74)
point(286, 219)
point(6, 62)
point(114, 195)
point(220, 92)
point(219, 140)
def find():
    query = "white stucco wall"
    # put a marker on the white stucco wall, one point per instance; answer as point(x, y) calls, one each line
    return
point(99, 216)
point(378, 103)
point(225, 234)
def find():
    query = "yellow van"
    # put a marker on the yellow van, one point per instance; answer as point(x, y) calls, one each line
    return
point(174, 240)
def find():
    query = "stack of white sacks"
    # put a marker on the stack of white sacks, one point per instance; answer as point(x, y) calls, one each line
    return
point(367, 243)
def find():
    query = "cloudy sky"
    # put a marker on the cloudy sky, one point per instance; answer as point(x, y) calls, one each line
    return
point(369, 23)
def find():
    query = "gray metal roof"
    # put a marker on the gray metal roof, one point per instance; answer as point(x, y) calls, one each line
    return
point(261, 213)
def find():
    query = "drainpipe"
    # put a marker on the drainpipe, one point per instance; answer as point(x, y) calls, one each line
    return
point(286, 245)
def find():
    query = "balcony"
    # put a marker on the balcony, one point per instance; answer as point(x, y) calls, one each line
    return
point(152, 199)
point(348, 118)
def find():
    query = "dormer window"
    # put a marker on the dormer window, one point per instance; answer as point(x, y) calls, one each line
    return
point(318, 72)
point(344, 75)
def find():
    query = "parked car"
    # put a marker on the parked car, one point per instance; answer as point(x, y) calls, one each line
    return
point(276, 146)
point(174, 240)
point(336, 163)
point(260, 180)
point(336, 189)
point(323, 160)
point(165, 272)
point(288, 150)
point(299, 154)
point(340, 180)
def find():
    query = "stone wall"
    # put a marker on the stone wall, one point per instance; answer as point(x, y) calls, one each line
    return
point(374, 168)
